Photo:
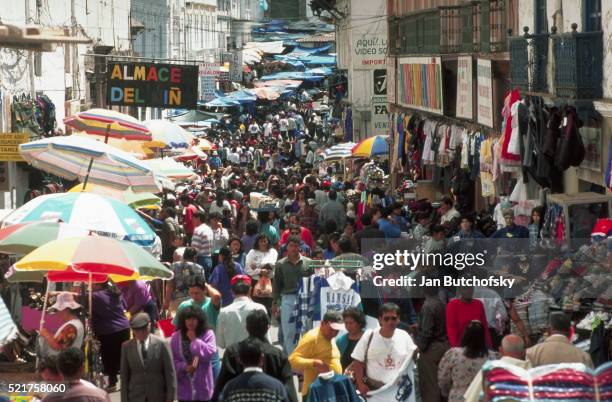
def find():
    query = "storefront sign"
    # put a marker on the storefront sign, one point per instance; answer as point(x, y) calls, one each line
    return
point(420, 83)
point(380, 115)
point(591, 138)
point(370, 50)
point(380, 82)
point(207, 88)
point(152, 84)
point(464, 88)
point(485, 93)
point(213, 69)
point(235, 71)
point(9, 146)
point(391, 79)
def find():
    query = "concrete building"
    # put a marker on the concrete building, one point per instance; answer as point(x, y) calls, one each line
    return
point(563, 52)
point(65, 75)
point(235, 21)
point(361, 43)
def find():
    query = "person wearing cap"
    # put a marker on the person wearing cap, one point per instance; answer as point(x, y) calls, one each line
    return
point(147, 368)
point(511, 230)
point(231, 324)
point(69, 334)
point(386, 348)
point(317, 353)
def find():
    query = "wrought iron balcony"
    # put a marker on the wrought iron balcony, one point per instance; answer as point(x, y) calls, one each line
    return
point(578, 64)
point(529, 61)
point(471, 27)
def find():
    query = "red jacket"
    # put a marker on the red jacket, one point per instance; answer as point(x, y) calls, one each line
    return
point(459, 314)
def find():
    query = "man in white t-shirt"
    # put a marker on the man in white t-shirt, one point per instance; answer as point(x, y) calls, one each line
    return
point(267, 129)
point(283, 124)
point(387, 350)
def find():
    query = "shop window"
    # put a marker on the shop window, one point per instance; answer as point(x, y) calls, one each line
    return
point(591, 15)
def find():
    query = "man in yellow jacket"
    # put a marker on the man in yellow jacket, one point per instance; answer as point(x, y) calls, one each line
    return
point(316, 352)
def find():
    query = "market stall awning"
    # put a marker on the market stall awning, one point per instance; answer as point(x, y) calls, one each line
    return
point(193, 116)
point(293, 75)
point(279, 83)
point(274, 47)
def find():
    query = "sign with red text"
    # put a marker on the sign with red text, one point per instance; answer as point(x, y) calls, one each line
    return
point(152, 84)
point(370, 50)
point(464, 88)
point(485, 93)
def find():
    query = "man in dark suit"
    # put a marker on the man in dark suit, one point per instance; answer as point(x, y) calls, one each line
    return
point(275, 361)
point(147, 370)
point(253, 384)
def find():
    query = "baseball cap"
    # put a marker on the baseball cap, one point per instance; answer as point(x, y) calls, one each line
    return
point(335, 320)
point(242, 278)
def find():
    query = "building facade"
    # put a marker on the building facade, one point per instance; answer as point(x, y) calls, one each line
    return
point(361, 43)
point(563, 52)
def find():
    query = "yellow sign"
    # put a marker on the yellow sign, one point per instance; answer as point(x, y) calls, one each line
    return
point(9, 146)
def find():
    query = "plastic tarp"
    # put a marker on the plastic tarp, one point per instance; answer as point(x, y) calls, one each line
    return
point(240, 96)
point(193, 116)
point(320, 71)
point(319, 60)
point(275, 47)
point(222, 102)
point(279, 83)
point(293, 75)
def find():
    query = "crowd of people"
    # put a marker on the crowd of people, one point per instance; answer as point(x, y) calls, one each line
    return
point(239, 270)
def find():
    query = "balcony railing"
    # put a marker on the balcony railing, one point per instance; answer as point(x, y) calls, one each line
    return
point(529, 61)
point(578, 64)
point(471, 27)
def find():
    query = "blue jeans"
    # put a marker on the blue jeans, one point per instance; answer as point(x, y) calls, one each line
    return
point(206, 263)
point(288, 328)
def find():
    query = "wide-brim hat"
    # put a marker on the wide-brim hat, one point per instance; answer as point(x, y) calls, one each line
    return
point(65, 300)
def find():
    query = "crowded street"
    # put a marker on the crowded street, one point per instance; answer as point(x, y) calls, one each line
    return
point(305, 201)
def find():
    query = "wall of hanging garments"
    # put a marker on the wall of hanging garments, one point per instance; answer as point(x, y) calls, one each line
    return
point(36, 116)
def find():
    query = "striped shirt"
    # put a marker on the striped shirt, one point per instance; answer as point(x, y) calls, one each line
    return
point(202, 240)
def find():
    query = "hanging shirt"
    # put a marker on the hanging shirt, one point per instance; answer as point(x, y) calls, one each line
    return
point(336, 293)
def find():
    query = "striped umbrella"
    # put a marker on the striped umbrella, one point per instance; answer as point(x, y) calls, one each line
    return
point(170, 168)
point(109, 123)
point(100, 214)
point(73, 157)
point(339, 151)
point(372, 146)
point(134, 200)
point(25, 237)
point(95, 255)
point(166, 134)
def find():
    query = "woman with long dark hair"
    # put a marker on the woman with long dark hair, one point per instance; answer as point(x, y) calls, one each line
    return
point(223, 274)
point(536, 221)
point(193, 346)
point(459, 366)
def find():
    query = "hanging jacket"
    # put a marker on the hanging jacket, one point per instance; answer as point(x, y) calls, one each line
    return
point(571, 149)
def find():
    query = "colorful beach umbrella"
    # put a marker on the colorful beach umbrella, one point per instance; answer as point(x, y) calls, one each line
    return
point(372, 146)
point(95, 255)
point(166, 134)
point(172, 169)
point(134, 200)
point(109, 123)
point(205, 145)
point(190, 154)
point(25, 237)
point(339, 151)
point(85, 159)
point(100, 214)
